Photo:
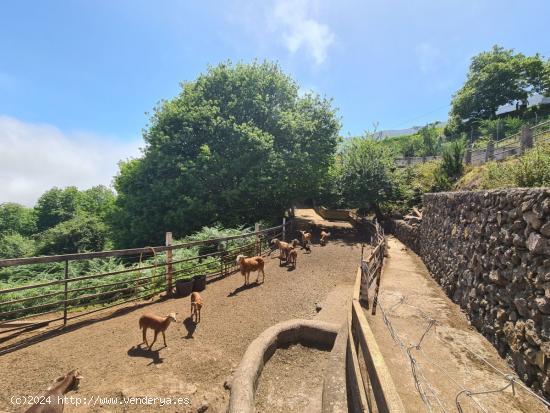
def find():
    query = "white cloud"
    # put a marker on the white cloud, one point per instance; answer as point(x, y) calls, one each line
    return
point(292, 24)
point(300, 30)
point(36, 157)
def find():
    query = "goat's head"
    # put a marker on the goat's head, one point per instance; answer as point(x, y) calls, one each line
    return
point(275, 241)
point(67, 382)
point(295, 242)
point(240, 257)
point(172, 317)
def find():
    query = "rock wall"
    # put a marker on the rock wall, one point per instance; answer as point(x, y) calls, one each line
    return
point(408, 234)
point(490, 251)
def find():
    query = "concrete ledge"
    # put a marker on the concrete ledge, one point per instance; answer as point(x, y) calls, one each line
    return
point(310, 333)
point(334, 385)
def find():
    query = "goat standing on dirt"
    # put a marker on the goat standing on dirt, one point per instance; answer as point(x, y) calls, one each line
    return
point(156, 323)
point(324, 237)
point(251, 264)
point(306, 239)
point(292, 256)
point(52, 400)
point(284, 249)
point(196, 305)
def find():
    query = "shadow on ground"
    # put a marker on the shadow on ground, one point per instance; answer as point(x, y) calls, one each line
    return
point(138, 351)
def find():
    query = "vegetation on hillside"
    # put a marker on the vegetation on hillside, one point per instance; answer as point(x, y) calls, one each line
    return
point(529, 170)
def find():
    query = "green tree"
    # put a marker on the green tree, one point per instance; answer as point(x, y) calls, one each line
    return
point(15, 218)
point(55, 206)
point(78, 234)
point(237, 145)
point(368, 177)
point(497, 77)
point(452, 165)
point(431, 140)
point(98, 201)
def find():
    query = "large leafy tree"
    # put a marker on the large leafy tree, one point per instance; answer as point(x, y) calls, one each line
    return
point(497, 77)
point(55, 206)
point(238, 144)
point(368, 177)
point(59, 205)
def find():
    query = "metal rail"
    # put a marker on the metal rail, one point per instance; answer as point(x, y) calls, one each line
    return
point(128, 289)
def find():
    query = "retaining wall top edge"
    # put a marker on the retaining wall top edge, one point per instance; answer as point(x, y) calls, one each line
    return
point(488, 191)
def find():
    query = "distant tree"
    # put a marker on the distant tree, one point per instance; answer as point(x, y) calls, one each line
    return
point(497, 77)
point(98, 201)
point(15, 218)
point(238, 144)
point(499, 128)
point(78, 234)
point(431, 140)
point(55, 206)
point(368, 177)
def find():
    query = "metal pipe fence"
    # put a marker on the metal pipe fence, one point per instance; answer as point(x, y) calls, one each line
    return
point(24, 306)
point(491, 150)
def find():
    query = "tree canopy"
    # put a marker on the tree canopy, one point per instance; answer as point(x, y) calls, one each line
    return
point(498, 77)
point(15, 218)
point(367, 174)
point(238, 144)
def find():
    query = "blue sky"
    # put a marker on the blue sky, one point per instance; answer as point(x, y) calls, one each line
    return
point(87, 71)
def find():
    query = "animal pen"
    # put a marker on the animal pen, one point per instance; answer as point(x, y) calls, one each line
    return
point(140, 273)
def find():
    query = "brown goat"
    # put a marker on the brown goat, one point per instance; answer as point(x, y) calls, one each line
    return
point(292, 256)
point(324, 237)
point(156, 323)
point(248, 264)
point(284, 249)
point(52, 400)
point(196, 305)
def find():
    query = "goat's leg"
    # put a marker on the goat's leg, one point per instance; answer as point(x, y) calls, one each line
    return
point(164, 338)
point(199, 316)
point(145, 336)
point(154, 339)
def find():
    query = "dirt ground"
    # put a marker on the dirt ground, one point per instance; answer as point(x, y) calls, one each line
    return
point(198, 359)
point(448, 359)
point(292, 381)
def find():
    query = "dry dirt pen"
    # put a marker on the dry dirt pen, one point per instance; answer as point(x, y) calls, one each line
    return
point(198, 359)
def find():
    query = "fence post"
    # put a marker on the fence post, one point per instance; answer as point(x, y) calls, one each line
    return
point(526, 138)
point(258, 240)
point(284, 228)
point(468, 158)
point(169, 264)
point(490, 152)
point(66, 293)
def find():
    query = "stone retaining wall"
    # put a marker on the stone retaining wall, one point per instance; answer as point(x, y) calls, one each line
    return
point(490, 251)
point(408, 234)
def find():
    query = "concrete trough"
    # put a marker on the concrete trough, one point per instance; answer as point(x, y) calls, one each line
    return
point(311, 333)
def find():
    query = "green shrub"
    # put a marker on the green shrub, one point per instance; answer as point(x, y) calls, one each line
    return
point(16, 245)
point(533, 169)
point(78, 234)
